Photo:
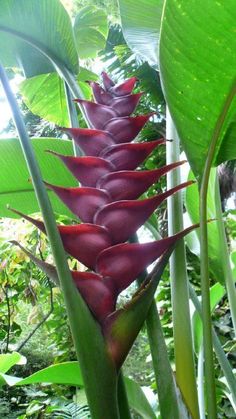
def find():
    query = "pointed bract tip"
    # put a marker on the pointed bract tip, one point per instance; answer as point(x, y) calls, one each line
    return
point(55, 153)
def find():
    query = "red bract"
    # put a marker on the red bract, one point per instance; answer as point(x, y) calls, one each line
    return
point(91, 141)
point(106, 202)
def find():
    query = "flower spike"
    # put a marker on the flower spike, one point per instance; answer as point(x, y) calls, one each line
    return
point(106, 203)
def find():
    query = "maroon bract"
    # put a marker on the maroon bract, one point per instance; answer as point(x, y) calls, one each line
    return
point(128, 156)
point(106, 201)
point(83, 202)
point(91, 141)
point(132, 184)
point(127, 128)
point(87, 170)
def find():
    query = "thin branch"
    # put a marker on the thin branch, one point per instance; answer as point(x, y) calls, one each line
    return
point(44, 319)
point(5, 292)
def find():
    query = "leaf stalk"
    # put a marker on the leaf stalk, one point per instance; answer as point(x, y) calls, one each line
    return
point(204, 261)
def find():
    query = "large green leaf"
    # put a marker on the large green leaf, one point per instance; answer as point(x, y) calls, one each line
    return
point(197, 63)
point(69, 373)
point(65, 373)
point(192, 207)
point(15, 187)
point(141, 26)
point(43, 23)
point(90, 30)
point(45, 96)
point(9, 360)
point(137, 399)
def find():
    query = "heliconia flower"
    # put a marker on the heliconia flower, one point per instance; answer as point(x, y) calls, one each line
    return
point(106, 202)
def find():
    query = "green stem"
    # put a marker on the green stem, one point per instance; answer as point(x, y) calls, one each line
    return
point(184, 358)
point(98, 370)
point(122, 398)
point(73, 117)
point(205, 286)
point(223, 361)
point(200, 380)
point(206, 311)
point(74, 89)
point(228, 276)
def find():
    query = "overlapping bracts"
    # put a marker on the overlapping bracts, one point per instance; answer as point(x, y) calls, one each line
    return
point(107, 201)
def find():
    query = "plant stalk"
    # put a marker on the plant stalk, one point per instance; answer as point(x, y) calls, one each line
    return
point(205, 285)
point(228, 276)
point(98, 370)
point(74, 123)
point(184, 358)
point(200, 380)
